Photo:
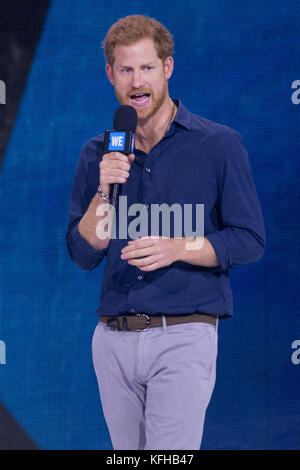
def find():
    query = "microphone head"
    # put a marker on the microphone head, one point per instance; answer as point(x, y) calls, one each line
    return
point(125, 118)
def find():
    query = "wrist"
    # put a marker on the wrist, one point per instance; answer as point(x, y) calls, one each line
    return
point(103, 193)
point(188, 248)
point(179, 249)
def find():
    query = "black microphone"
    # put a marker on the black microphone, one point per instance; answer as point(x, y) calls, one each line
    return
point(121, 139)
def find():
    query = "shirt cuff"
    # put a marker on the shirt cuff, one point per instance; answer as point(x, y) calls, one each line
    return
point(221, 251)
point(86, 255)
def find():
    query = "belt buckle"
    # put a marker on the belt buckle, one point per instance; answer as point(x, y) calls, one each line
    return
point(147, 321)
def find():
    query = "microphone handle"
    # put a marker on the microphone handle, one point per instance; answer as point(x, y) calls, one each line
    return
point(115, 193)
point(120, 141)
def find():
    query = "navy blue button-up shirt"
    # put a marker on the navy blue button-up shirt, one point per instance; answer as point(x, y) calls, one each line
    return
point(198, 161)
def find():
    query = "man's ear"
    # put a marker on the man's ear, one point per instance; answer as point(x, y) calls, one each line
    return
point(168, 67)
point(109, 73)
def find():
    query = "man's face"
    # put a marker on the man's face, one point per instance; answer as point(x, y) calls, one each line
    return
point(140, 78)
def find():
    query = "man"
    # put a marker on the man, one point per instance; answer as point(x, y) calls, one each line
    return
point(155, 346)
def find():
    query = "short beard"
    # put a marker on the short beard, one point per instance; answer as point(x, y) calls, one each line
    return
point(157, 103)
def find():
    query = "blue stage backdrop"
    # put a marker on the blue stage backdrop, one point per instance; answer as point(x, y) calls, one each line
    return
point(236, 63)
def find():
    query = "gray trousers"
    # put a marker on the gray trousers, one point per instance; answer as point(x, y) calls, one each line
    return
point(155, 385)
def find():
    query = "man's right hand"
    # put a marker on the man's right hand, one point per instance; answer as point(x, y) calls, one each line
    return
point(114, 168)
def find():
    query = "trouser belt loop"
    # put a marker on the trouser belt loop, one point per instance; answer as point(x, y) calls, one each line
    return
point(125, 325)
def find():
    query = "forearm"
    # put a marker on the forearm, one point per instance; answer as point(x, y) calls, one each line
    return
point(92, 224)
point(197, 251)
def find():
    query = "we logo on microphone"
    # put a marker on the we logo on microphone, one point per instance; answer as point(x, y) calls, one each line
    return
point(116, 141)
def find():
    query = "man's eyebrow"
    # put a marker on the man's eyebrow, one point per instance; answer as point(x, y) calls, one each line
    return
point(143, 65)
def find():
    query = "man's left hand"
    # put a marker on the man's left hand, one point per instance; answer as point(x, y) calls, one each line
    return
point(150, 253)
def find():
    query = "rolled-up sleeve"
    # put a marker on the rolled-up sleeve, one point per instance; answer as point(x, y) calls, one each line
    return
point(241, 235)
point(81, 252)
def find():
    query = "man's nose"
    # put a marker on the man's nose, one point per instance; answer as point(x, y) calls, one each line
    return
point(137, 79)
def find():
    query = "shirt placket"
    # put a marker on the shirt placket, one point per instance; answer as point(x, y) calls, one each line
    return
point(148, 190)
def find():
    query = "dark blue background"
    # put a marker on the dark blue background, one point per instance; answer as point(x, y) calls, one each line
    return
point(234, 63)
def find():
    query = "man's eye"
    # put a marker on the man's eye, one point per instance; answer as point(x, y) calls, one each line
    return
point(148, 67)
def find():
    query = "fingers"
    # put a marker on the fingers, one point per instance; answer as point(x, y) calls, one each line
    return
point(151, 267)
point(114, 168)
point(145, 262)
point(115, 157)
point(149, 253)
point(114, 176)
point(139, 243)
point(140, 252)
point(136, 253)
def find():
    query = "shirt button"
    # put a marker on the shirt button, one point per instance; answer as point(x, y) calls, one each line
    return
point(146, 205)
point(140, 277)
point(148, 169)
point(132, 310)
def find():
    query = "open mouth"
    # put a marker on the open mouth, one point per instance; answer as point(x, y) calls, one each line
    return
point(140, 99)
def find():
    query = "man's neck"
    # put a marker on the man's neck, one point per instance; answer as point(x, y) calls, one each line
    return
point(153, 131)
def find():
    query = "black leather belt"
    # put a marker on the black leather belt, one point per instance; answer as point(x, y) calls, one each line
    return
point(144, 321)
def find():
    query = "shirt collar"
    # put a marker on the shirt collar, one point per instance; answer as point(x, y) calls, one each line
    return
point(183, 115)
